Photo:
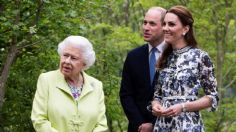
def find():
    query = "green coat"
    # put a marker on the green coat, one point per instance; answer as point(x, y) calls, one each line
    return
point(55, 110)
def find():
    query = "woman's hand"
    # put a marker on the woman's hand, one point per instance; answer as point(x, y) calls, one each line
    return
point(173, 110)
point(157, 109)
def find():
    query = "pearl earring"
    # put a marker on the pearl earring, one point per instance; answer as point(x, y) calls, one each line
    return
point(183, 34)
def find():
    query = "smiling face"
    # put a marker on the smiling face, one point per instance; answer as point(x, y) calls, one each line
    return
point(174, 31)
point(71, 62)
point(152, 27)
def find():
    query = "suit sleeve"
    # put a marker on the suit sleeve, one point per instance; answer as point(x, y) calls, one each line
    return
point(39, 115)
point(127, 96)
point(101, 125)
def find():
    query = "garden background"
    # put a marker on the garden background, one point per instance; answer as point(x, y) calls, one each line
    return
point(30, 31)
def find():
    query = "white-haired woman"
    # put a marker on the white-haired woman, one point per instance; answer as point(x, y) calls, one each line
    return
point(68, 99)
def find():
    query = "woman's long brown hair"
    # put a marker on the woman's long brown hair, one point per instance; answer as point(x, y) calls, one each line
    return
point(186, 19)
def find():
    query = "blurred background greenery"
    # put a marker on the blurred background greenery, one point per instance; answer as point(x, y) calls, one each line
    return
point(30, 31)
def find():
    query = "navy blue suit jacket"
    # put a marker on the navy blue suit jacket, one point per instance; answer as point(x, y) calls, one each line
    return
point(136, 91)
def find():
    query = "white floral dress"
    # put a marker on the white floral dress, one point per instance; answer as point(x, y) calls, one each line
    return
point(188, 70)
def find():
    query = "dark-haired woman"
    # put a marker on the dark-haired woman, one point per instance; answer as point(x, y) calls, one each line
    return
point(184, 69)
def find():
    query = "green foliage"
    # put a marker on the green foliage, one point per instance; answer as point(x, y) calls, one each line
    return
point(225, 122)
point(113, 27)
point(22, 86)
point(111, 45)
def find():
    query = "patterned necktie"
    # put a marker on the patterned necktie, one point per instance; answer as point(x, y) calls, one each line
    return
point(152, 64)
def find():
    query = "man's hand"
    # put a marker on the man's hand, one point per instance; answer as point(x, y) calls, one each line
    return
point(145, 127)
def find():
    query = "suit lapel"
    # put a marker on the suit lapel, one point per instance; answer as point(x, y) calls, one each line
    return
point(146, 64)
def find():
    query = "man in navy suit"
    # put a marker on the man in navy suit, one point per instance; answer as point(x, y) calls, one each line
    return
point(136, 86)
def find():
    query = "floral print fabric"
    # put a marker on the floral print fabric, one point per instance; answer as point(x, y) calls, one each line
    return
point(188, 70)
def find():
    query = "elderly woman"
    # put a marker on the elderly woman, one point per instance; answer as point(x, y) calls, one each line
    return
point(68, 99)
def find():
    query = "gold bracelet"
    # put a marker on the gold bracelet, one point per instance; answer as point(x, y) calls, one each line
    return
point(183, 107)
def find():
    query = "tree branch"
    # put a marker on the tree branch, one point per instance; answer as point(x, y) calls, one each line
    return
point(5, 72)
point(126, 9)
point(28, 45)
point(231, 82)
point(229, 69)
point(10, 58)
point(37, 16)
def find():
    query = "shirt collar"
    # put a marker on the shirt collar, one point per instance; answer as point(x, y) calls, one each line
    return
point(160, 47)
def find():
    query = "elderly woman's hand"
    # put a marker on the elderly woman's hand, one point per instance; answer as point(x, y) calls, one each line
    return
point(157, 109)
